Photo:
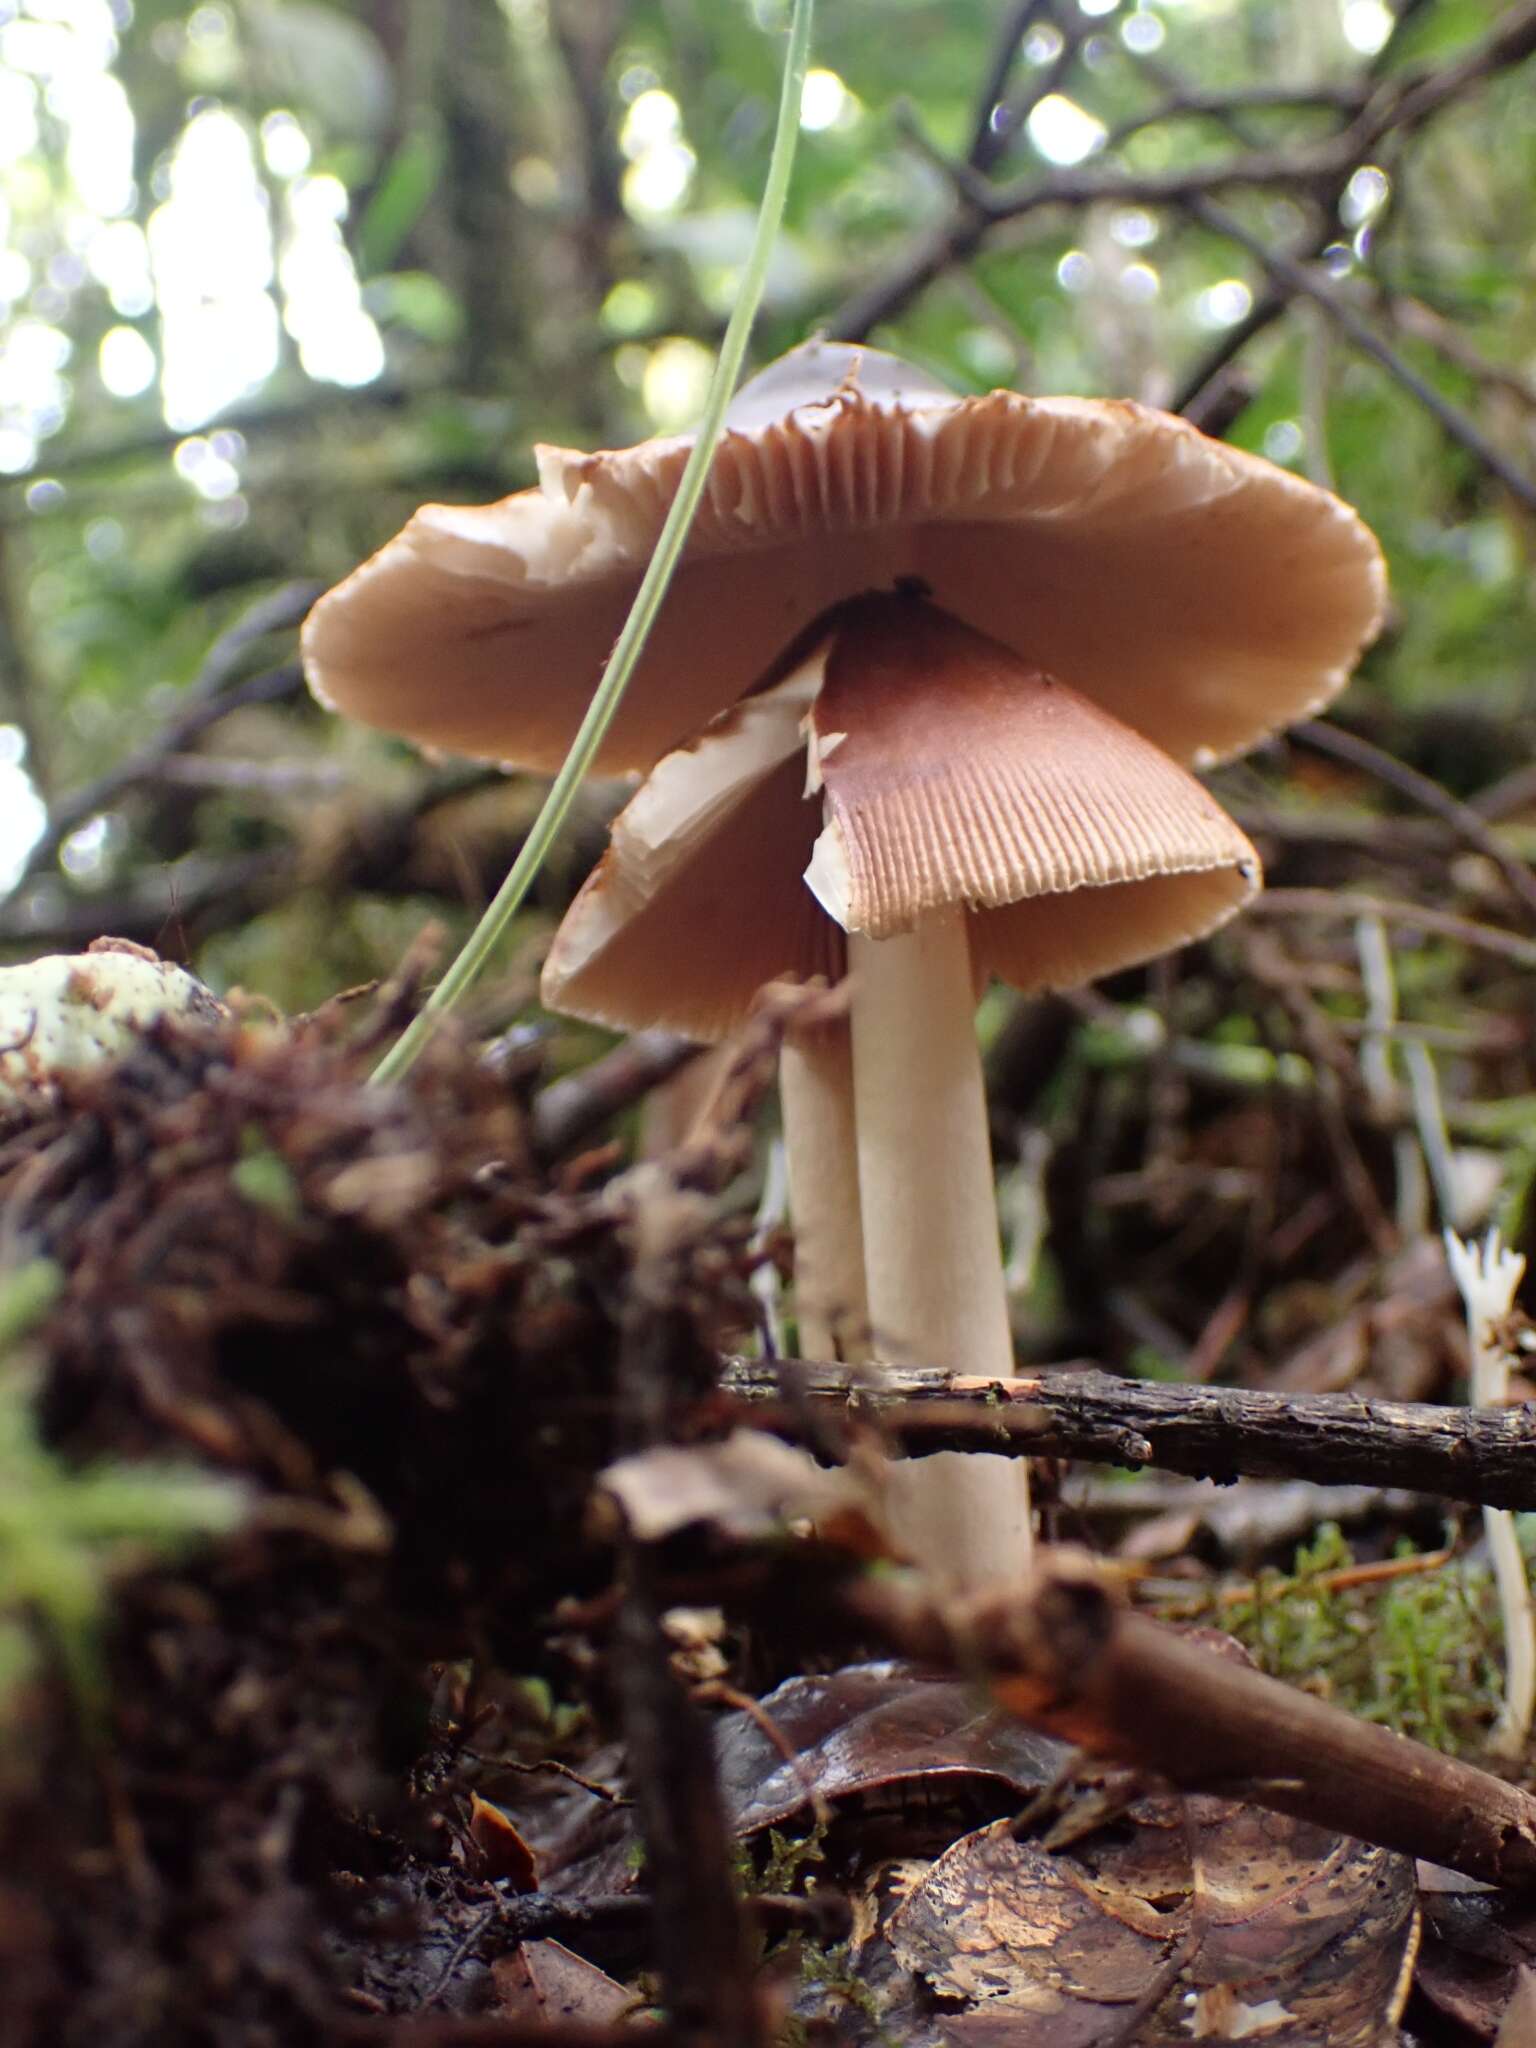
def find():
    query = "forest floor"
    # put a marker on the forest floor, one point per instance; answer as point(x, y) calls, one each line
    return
point(402, 1730)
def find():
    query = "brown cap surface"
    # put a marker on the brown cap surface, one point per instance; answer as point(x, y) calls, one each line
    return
point(909, 764)
point(1202, 595)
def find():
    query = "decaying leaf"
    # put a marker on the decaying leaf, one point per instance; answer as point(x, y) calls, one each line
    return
point(503, 1855)
point(869, 1729)
point(746, 1486)
point(544, 1983)
point(1194, 1919)
point(1479, 1948)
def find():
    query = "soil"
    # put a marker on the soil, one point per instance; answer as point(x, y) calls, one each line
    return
point(395, 1328)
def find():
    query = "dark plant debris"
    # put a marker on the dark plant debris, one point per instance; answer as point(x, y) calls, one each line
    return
point(375, 1312)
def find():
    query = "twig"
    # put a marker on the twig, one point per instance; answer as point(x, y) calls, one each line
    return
point(211, 697)
point(570, 1110)
point(1513, 792)
point(699, 1932)
point(1187, 102)
point(1483, 1456)
point(1353, 903)
point(1301, 282)
point(197, 895)
point(1063, 1654)
point(989, 135)
point(1447, 339)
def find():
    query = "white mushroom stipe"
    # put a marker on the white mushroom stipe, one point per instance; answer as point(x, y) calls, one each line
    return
point(816, 1099)
point(933, 1261)
point(963, 1516)
point(934, 1268)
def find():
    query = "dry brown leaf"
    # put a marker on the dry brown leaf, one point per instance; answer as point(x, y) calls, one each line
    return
point(544, 1982)
point(1479, 1947)
point(1197, 1919)
point(876, 1728)
point(745, 1486)
point(1517, 2029)
point(502, 1852)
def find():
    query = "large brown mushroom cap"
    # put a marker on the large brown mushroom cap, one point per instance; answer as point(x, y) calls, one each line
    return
point(942, 772)
point(1202, 595)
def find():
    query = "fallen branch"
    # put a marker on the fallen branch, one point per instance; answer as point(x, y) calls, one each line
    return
point(573, 1109)
point(701, 1941)
point(1482, 1456)
point(1063, 1653)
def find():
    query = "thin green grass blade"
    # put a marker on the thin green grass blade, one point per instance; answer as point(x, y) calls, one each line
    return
point(621, 663)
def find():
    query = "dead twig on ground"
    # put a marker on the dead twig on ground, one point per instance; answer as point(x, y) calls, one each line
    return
point(1063, 1653)
point(569, 1110)
point(699, 1931)
point(1481, 1456)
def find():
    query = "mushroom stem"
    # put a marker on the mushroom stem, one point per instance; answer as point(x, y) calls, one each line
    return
point(816, 1098)
point(673, 1110)
point(933, 1262)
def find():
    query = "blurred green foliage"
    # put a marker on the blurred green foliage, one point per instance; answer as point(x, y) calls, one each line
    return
point(543, 206)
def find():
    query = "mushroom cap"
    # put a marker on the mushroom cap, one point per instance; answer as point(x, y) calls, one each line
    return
point(1202, 595)
point(907, 765)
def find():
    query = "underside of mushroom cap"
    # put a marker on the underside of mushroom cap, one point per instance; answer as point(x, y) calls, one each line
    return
point(698, 901)
point(1202, 595)
point(907, 765)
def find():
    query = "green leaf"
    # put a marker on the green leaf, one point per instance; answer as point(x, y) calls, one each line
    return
point(401, 196)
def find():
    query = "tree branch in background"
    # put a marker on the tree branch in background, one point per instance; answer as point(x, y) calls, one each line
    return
point(1392, 106)
point(1187, 102)
point(197, 896)
point(1301, 282)
point(1352, 903)
point(1325, 738)
point(212, 695)
point(991, 132)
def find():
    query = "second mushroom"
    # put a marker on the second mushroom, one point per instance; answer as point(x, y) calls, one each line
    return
point(916, 804)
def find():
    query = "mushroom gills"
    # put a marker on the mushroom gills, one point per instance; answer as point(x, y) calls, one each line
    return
point(915, 798)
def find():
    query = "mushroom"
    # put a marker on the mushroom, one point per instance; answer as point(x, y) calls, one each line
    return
point(1200, 594)
point(915, 803)
point(1190, 599)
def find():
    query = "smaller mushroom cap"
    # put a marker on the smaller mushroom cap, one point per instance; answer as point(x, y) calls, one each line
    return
point(906, 765)
point(1200, 594)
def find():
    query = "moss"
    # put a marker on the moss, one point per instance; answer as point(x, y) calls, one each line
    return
point(1419, 1653)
